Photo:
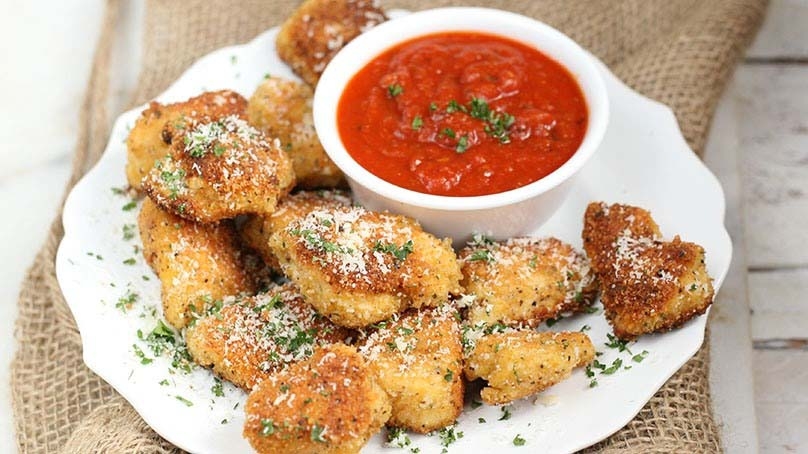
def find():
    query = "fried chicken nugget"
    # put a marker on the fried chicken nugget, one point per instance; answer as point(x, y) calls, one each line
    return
point(197, 264)
point(147, 142)
point(245, 340)
point(282, 109)
point(418, 360)
point(517, 364)
point(318, 29)
point(219, 169)
point(524, 281)
point(255, 232)
point(647, 285)
point(328, 404)
point(359, 267)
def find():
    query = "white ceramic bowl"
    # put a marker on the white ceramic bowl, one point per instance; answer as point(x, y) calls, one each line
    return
point(502, 215)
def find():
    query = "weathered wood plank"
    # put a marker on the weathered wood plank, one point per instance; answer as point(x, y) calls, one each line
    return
point(779, 300)
point(784, 32)
point(730, 343)
point(773, 111)
point(781, 391)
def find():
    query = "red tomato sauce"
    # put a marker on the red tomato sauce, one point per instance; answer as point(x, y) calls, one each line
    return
point(462, 114)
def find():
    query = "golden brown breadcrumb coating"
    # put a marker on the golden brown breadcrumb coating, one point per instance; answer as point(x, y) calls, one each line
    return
point(329, 404)
point(517, 364)
point(150, 137)
point(647, 284)
point(219, 169)
point(524, 281)
point(247, 339)
point(359, 267)
point(418, 361)
point(256, 231)
point(318, 29)
point(197, 264)
point(282, 110)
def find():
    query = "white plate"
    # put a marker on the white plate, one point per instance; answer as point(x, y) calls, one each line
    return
point(643, 161)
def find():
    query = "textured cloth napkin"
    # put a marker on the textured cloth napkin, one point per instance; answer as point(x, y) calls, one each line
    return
point(680, 52)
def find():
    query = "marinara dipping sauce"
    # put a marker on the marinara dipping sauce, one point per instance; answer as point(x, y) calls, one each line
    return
point(462, 114)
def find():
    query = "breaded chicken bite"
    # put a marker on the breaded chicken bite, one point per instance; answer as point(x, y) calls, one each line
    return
point(358, 267)
point(150, 137)
point(245, 340)
point(517, 364)
point(282, 109)
point(318, 29)
point(219, 169)
point(328, 404)
point(418, 360)
point(524, 281)
point(197, 264)
point(256, 231)
point(647, 284)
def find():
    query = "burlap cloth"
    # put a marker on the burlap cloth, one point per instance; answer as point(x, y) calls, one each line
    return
point(680, 52)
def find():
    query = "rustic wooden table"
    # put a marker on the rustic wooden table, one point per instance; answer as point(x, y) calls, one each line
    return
point(771, 113)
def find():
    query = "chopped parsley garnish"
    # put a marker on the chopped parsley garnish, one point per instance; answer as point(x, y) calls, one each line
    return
point(118, 191)
point(217, 389)
point(480, 240)
point(219, 150)
point(417, 122)
point(506, 413)
point(267, 427)
point(163, 382)
point(317, 434)
point(481, 255)
point(433, 107)
point(448, 435)
point(129, 206)
point(481, 420)
point(127, 300)
point(613, 368)
point(552, 321)
point(620, 345)
point(175, 181)
point(129, 261)
point(518, 440)
point(640, 356)
point(128, 231)
point(454, 106)
point(397, 437)
point(497, 124)
point(591, 309)
point(318, 242)
point(399, 252)
point(187, 402)
point(395, 90)
point(449, 375)
point(462, 144)
point(162, 341)
point(585, 328)
point(143, 358)
point(476, 404)
point(449, 132)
